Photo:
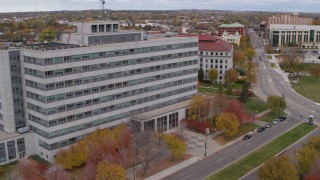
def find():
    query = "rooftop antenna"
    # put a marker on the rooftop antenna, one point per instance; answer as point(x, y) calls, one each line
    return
point(103, 2)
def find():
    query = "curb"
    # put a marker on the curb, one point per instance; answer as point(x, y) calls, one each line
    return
point(249, 152)
point(279, 153)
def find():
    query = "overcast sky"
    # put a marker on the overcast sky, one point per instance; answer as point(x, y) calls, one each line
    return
point(252, 5)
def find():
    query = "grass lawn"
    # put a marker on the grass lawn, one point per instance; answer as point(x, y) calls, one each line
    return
point(7, 168)
point(234, 85)
point(256, 158)
point(208, 90)
point(39, 159)
point(307, 66)
point(309, 87)
point(271, 116)
point(256, 105)
point(273, 65)
point(224, 139)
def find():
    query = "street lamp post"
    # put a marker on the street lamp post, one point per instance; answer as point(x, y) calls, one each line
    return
point(207, 132)
point(253, 122)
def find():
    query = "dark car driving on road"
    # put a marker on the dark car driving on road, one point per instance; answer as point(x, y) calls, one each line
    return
point(260, 129)
point(247, 136)
point(282, 118)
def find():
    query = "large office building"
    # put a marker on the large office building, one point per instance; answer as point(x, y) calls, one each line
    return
point(99, 77)
point(305, 36)
point(286, 19)
point(231, 29)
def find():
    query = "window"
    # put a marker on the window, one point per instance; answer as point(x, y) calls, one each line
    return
point(162, 124)
point(173, 120)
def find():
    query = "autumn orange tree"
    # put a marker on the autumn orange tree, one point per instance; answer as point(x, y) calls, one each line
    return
point(275, 169)
point(305, 159)
point(177, 146)
point(199, 107)
point(104, 144)
point(315, 71)
point(106, 170)
point(228, 123)
point(231, 76)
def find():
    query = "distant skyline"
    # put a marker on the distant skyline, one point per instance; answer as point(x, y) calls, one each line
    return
point(237, 5)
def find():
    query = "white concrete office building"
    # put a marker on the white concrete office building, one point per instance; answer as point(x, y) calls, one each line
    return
point(305, 36)
point(103, 79)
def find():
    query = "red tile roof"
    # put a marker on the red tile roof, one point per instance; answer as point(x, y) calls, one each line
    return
point(208, 42)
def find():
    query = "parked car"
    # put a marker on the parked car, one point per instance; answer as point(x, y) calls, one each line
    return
point(282, 118)
point(247, 136)
point(276, 121)
point(268, 125)
point(260, 129)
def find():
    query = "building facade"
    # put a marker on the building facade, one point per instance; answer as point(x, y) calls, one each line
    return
point(232, 38)
point(71, 90)
point(286, 19)
point(215, 53)
point(231, 29)
point(305, 36)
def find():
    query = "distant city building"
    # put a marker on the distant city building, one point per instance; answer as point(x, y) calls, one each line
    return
point(214, 53)
point(232, 38)
point(231, 29)
point(305, 36)
point(287, 19)
point(99, 77)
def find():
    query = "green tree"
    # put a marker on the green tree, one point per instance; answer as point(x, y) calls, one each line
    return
point(176, 146)
point(213, 74)
point(228, 123)
point(106, 170)
point(276, 103)
point(47, 35)
point(275, 169)
point(229, 91)
point(231, 76)
point(244, 95)
point(200, 75)
point(305, 158)
point(220, 88)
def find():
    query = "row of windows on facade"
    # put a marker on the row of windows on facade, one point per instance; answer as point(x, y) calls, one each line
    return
point(108, 65)
point(161, 127)
point(107, 119)
point(76, 70)
point(297, 31)
point(11, 149)
point(298, 38)
point(93, 90)
point(105, 77)
point(97, 55)
point(45, 123)
point(211, 67)
point(214, 53)
point(116, 106)
point(216, 61)
point(113, 97)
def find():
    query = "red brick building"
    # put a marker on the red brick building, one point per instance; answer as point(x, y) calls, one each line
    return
point(231, 29)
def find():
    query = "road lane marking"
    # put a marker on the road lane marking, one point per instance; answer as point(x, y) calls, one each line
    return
point(221, 158)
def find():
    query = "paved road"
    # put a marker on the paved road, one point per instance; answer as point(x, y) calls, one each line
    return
point(236, 151)
point(290, 151)
point(271, 82)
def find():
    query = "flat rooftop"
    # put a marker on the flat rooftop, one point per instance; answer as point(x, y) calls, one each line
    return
point(4, 135)
point(50, 46)
point(53, 46)
point(294, 27)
